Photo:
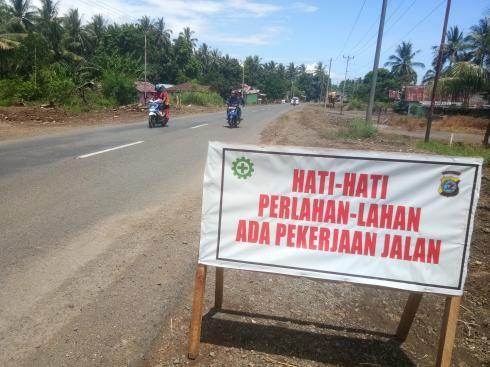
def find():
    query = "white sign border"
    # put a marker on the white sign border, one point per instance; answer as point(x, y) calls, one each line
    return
point(474, 163)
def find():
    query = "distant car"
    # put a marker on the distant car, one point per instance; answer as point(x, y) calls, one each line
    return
point(283, 101)
point(294, 101)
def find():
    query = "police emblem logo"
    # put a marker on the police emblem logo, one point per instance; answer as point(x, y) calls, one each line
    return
point(449, 183)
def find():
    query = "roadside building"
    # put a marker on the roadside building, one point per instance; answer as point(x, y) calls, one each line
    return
point(190, 87)
point(146, 91)
point(251, 95)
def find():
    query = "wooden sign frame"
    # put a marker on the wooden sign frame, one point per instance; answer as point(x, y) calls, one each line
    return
point(446, 339)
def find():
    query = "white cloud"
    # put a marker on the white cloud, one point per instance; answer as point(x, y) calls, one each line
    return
point(206, 17)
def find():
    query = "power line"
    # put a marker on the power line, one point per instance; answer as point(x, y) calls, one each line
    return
point(410, 31)
point(352, 28)
point(368, 45)
point(373, 25)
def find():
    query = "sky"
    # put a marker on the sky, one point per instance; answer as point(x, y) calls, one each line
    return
point(303, 32)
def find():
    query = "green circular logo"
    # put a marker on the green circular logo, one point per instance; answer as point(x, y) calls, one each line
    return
point(242, 167)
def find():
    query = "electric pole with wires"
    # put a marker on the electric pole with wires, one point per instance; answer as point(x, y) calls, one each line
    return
point(436, 76)
point(345, 82)
point(328, 82)
point(376, 61)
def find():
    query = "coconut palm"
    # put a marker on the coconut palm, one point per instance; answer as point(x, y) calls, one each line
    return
point(428, 76)
point(22, 16)
point(164, 33)
point(402, 64)
point(463, 80)
point(49, 24)
point(187, 34)
point(97, 28)
point(479, 39)
point(77, 39)
point(454, 49)
point(145, 23)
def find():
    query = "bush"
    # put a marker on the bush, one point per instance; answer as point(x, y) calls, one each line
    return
point(200, 99)
point(458, 149)
point(358, 129)
point(118, 87)
point(356, 104)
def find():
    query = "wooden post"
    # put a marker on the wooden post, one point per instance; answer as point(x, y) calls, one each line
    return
point(218, 290)
point(197, 303)
point(408, 315)
point(448, 331)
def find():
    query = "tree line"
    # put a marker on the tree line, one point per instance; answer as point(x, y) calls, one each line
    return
point(53, 57)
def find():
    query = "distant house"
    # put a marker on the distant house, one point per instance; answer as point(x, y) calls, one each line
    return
point(146, 91)
point(250, 94)
point(190, 87)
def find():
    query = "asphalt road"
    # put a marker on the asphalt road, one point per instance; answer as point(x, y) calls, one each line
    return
point(94, 247)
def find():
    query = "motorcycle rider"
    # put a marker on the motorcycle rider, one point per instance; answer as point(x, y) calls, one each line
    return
point(163, 96)
point(236, 100)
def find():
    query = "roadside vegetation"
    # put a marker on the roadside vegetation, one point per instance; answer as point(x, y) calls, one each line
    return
point(358, 129)
point(458, 149)
point(46, 57)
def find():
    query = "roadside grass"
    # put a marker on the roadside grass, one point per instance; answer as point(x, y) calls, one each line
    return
point(200, 99)
point(458, 149)
point(358, 129)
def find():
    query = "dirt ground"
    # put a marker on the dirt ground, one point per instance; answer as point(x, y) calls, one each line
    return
point(16, 122)
point(272, 320)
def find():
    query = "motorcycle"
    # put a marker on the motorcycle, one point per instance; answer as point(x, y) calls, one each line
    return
point(232, 116)
point(155, 116)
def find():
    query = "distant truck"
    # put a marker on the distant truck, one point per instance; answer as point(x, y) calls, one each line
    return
point(294, 101)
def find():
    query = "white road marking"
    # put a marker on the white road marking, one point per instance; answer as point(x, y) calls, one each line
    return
point(110, 149)
point(195, 127)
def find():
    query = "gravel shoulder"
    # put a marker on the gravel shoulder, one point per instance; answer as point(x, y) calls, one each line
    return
point(273, 320)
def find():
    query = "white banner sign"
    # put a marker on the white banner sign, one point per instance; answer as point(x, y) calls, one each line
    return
point(395, 220)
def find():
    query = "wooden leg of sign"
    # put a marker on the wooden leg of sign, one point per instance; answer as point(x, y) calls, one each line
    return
point(448, 331)
point(197, 303)
point(408, 315)
point(218, 290)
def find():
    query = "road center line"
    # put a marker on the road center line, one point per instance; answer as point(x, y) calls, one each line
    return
point(195, 127)
point(110, 149)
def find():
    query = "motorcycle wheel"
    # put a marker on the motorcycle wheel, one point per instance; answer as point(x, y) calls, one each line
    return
point(164, 122)
point(151, 122)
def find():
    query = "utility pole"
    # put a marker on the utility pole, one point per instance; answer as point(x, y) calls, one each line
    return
point(345, 81)
point(376, 61)
point(328, 82)
point(35, 65)
point(145, 66)
point(243, 76)
point(292, 92)
point(438, 71)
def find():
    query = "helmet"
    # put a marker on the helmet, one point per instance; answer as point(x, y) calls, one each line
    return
point(160, 88)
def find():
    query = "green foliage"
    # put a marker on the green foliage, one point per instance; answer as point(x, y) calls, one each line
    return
point(118, 87)
point(200, 99)
point(458, 149)
point(355, 104)
point(358, 129)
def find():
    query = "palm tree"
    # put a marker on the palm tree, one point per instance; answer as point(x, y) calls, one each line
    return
point(479, 39)
point(464, 79)
point(455, 46)
point(10, 41)
point(429, 76)
point(77, 38)
point(402, 64)
point(97, 27)
point(145, 23)
point(22, 15)
point(187, 34)
point(50, 25)
point(165, 33)
point(291, 72)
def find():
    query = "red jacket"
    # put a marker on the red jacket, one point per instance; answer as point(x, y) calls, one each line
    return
point(164, 97)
